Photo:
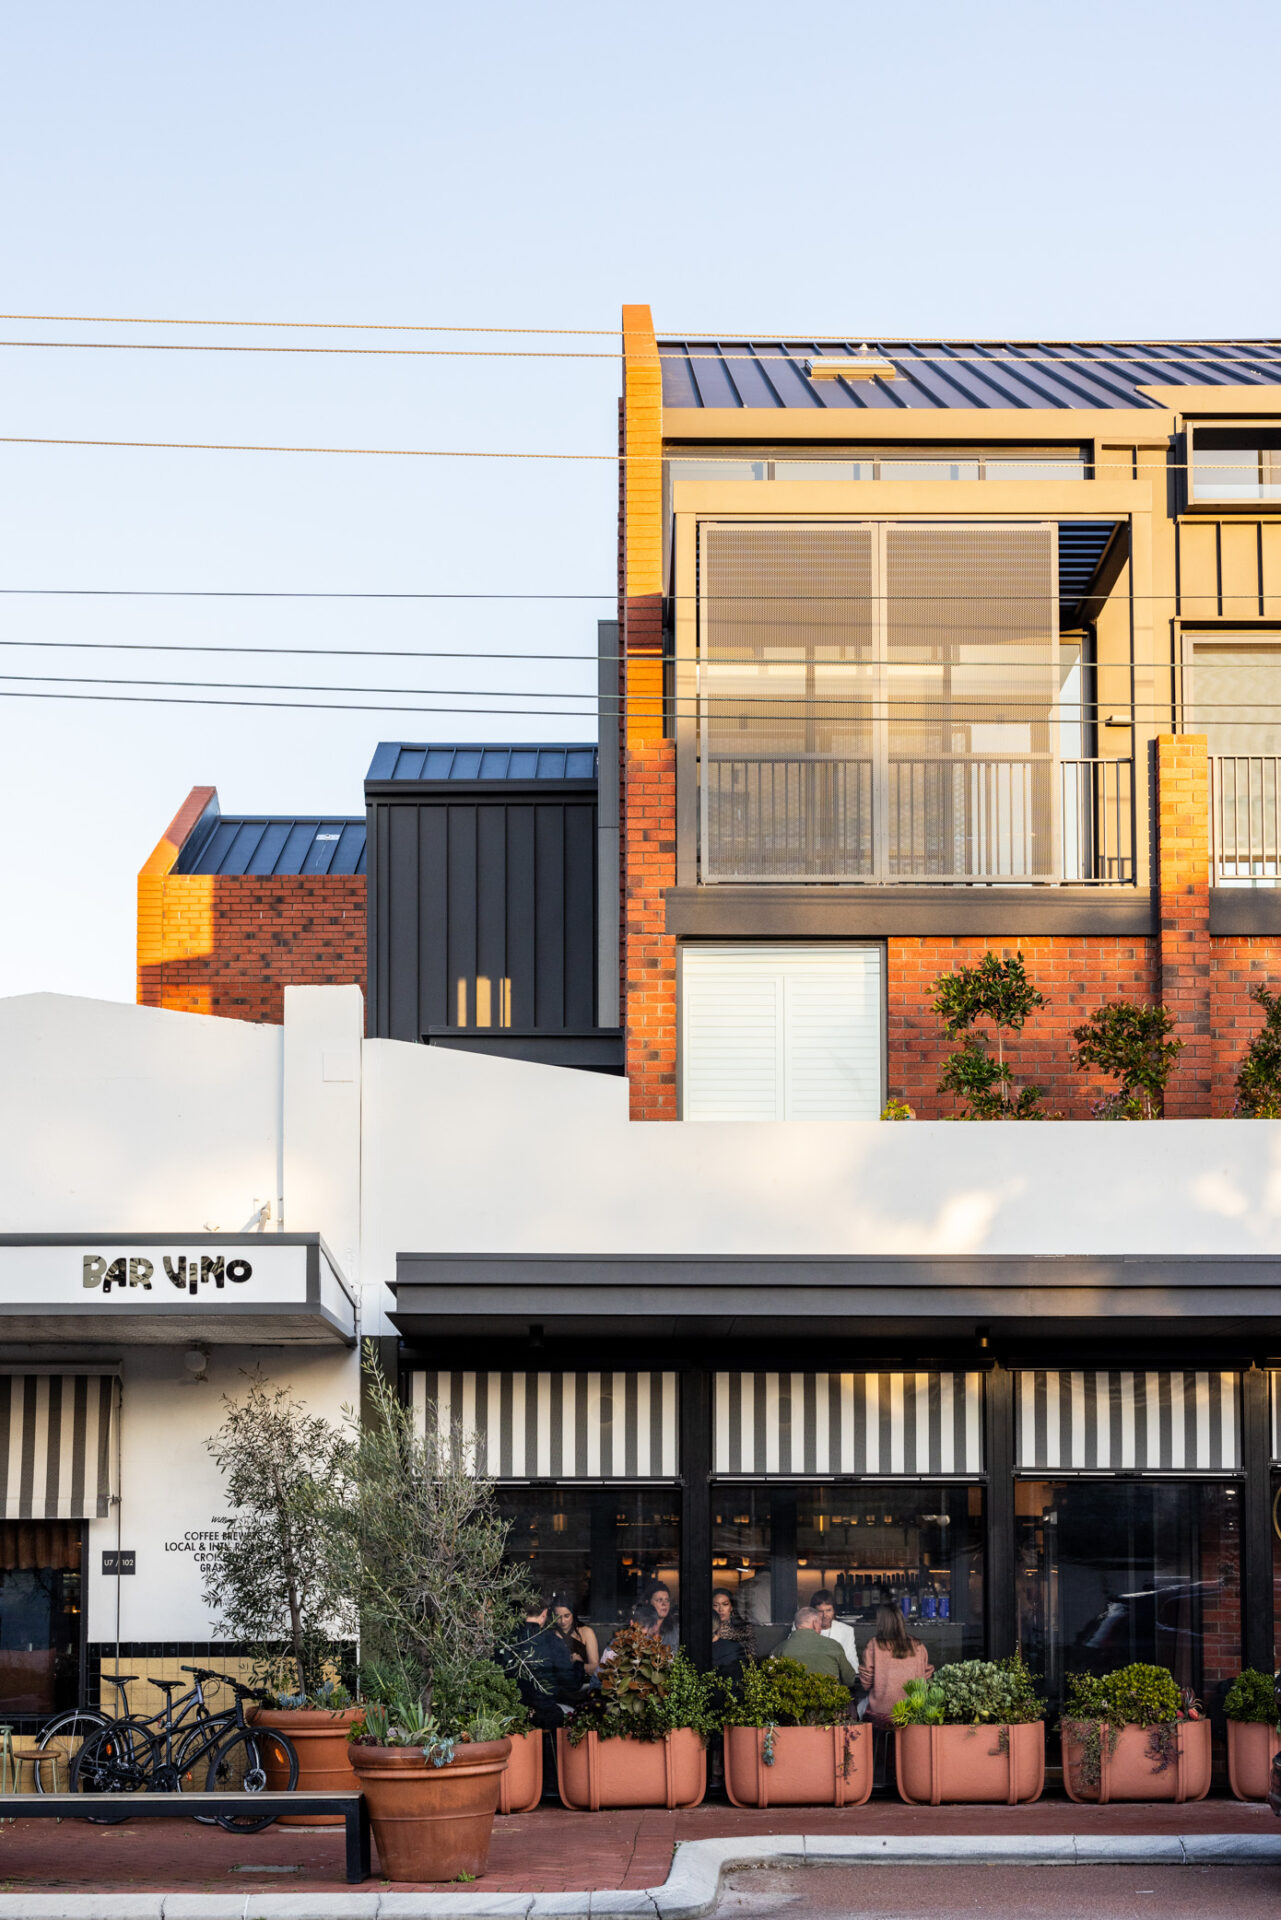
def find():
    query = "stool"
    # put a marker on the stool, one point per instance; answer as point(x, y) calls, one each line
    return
point(53, 1756)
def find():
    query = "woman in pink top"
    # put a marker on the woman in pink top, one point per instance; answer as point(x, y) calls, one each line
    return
point(890, 1658)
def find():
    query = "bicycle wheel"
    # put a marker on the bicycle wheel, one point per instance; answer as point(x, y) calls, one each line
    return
point(69, 1731)
point(240, 1766)
point(116, 1759)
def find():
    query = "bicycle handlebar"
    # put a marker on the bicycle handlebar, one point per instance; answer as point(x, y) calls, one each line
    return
point(238, 1686)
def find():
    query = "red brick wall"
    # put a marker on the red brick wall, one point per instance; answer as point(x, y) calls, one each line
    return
point(1183, 913)
point(1237, 964)
point(650, 953)
point(232, 945)
point(1075, 976)
point(1220, 1543)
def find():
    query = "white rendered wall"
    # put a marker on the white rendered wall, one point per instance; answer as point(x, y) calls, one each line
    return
point(468, 1154)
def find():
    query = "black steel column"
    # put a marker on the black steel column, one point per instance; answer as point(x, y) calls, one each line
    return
point(999, 1604)
point(696, 1513)
point(1256, 1522)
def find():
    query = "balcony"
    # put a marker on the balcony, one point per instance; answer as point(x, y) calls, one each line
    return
point(968, 819)
point(1245, 820)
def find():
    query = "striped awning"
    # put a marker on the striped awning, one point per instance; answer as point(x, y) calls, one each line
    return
point(848, 1423)
point(558, 1426)
point(55, 1445)
point(1107, 1420)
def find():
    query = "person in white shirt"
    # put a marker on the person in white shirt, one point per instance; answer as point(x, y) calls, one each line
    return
point(833, 1629)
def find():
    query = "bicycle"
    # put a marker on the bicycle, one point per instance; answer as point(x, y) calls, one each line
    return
point(162, 1754)
point(71, 1728)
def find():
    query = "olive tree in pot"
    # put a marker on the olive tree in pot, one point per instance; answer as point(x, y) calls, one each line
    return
point(1253, 1736)
point(277, 1581)
point(791, 1740)
point(1133, 1735)
point(972, 1734)
point(642, 1740)
point(436, 1596)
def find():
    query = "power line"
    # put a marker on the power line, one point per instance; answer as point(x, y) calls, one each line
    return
point(255, 593)
point(419, 353)
point(612, 459)
point(309, 326)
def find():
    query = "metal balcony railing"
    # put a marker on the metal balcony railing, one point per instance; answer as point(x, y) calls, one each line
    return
point(1245, 819)
point(963, 819)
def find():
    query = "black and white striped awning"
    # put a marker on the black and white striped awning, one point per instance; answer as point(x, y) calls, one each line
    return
point(840, 1423)
point(55, 1445)
point(559, 1426)
point(1108, 1420)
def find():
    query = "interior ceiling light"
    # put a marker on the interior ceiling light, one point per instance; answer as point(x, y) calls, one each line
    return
point(863, 365)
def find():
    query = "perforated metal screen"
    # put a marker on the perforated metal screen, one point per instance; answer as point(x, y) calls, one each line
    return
point(877, 702)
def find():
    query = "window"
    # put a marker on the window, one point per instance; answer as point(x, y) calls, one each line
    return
point(603, 1548)
point(922, 463)
point(781, 1032)
point(878, 701)
point(1112, 1571)
point(1235, 463)
point(40, 1602)
point(919, 1548)
point(1232, 694)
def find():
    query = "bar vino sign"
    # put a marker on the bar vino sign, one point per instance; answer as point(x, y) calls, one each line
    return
point(187, 1272)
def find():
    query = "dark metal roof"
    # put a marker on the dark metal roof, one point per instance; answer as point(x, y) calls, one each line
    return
point(399, 760)
point(934, 374)
point(1081, 546)
point(264, 846)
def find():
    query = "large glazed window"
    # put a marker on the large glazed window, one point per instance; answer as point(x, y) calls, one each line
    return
point(601, 1549)
point(1233, 696)
point(40, 1607)
point(1112, 1571)
point(1236, 464)
point(781, 1032)
point(878, 702)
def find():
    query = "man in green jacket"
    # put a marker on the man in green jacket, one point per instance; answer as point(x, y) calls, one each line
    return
point(806, 1644)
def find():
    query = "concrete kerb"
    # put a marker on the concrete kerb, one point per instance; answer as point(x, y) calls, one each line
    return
point(691, 1889)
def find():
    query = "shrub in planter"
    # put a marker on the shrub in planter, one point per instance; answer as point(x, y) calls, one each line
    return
point(641, 1741)
point(1133, 1735)
point(791, 1740)
point(277, 1581)
point(973, 1733)
point(435, 1595)
point(1253, 1736)
point(485, 1688)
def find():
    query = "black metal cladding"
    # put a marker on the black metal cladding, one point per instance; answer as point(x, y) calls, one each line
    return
point(482, 903)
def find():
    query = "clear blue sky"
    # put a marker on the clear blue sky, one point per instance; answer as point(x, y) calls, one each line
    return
point(994, 169)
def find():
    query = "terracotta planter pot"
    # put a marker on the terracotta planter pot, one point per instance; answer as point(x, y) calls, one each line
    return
point(970, 1765)
point(320, 1741)
point(431, 1823)
point(671, 1772)
point(1251, 1746)
point(520, 1787)
point(812, 1766)
point(1131, 1773)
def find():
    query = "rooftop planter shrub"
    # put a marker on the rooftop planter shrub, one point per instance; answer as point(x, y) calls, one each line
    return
point(641, 1740)
point(973, 1733)
point(1134, 1735)
point(1253, 1737)
point(1132, 1043)
point(995, 994)
point(791, 1739)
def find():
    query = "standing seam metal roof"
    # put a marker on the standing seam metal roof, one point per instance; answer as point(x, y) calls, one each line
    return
point(940, 374)
point(401, 760)
point(263, 847)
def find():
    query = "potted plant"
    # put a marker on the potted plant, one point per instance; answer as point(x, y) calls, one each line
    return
point(436, 1595)
point(641, 1741)
point(1253, 1736)
point(974, 1733)
point(489, 1690)
point(1133, 1735)
point(277, 1581)
point(790, 1740)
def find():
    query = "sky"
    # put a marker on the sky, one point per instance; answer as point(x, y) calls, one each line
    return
point(994, 170)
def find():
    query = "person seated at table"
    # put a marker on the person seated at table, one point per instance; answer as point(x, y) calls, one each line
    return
point(669, 1630)
point(890, 1659)
point(541, 1665)
point(805, 1643)
point(584, 1648)
point(833, 1629)
point(733, 1636)
point(643, 1616)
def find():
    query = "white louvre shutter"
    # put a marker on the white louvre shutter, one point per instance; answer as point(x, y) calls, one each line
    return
point(781, 1032)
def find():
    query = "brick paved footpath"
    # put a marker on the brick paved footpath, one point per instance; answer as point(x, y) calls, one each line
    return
point(547, 1851)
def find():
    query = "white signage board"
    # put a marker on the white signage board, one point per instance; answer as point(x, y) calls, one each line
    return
point(111, 1273)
